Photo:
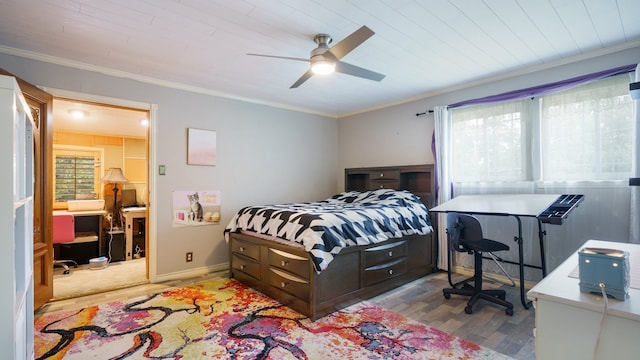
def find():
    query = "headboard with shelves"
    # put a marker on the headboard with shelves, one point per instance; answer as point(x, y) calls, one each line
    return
point(419, 179)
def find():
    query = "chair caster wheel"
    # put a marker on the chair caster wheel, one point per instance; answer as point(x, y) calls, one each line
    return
point(66, 272)
point(509, 312)
point(468, 309)
point(447, 296)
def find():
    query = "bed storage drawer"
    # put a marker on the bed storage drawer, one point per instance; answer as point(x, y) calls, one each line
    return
point(384, 179)
point(378, 273)
point(388, 175)
point(246, 249)
point(384, 184)
point(385, 253)
point(289, 283)
point(289, 262)
point(246, 265)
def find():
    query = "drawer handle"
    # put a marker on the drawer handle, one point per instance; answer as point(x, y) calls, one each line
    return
point(242, 267)
point(381, 186)
point(390, 271)
point(381, 174)
point(390, 253)
point(283, 284)
point(284, 263)
point(241, 249)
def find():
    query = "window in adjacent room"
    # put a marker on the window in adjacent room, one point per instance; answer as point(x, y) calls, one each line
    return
point(76, 174)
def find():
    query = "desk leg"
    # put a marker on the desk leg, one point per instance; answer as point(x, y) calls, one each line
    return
point(543, 261)
point(523, 297)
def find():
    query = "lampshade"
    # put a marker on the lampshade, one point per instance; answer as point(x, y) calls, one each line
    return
point(323, 67)
point(114, 176)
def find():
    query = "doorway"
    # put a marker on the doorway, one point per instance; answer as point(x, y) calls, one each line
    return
point(115, 136)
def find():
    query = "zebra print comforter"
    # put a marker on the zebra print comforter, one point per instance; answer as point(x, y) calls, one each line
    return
point(346, 219)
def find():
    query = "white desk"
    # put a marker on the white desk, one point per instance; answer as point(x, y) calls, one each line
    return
point(499, 204)
point(516, 205)
point(129, 215)
point(567, 320)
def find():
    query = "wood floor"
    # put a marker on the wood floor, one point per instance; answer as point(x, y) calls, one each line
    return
point(421, 300)
point(488, 325)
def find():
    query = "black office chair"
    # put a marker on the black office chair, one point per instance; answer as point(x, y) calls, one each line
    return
point(464, 234)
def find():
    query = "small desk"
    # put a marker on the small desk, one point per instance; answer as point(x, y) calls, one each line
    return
point(568, 320)
point(129, 215)
point(87, 221)
point(516, 205)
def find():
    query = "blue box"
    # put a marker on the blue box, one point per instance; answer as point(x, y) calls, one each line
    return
point(607, 266)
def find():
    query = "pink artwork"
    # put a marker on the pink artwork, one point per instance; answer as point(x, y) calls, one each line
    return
point(201, 149)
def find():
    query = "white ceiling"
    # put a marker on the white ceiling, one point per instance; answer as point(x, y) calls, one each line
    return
point(99, 119)
point(423, 47)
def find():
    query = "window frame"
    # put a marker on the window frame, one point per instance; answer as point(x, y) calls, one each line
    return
point(67, 150)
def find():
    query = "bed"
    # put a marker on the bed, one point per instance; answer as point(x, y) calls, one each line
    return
point(322, 256)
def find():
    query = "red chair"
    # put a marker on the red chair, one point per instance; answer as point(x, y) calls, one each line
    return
point(63, 233)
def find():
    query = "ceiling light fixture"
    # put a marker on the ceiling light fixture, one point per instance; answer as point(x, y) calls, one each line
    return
point(78, 114)
point(323, 67)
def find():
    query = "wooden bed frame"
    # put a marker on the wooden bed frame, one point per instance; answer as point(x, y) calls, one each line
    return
point(286, 273)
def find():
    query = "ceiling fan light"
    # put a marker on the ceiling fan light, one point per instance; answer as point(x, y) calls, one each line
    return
point(323, 67)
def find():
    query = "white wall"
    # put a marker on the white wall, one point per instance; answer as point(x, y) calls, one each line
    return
point(265, 154)
point(387, 137)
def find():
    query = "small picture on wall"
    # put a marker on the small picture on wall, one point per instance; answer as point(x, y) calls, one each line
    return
point(194, 208)
point(201, 147)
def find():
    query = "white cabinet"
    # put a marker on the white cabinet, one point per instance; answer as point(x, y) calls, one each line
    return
point(16, 222)
point(568, 322)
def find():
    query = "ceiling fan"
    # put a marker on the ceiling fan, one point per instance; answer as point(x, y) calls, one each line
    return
point(325, 60)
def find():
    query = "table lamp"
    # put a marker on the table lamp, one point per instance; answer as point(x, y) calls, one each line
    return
point(115, 176)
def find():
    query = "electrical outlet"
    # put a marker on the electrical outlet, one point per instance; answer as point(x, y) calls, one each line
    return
point(189, 257)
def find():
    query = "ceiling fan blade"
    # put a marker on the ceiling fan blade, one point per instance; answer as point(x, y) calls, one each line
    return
point(302, 79)
point(351, 42)
point(280, 57)
point(353, 70)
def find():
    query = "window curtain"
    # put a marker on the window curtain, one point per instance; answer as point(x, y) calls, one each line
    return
point(546, 88)
point(605, 200)
point(442, 156)
point(634, 227)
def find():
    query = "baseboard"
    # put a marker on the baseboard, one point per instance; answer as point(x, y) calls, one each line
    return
point(185, 274)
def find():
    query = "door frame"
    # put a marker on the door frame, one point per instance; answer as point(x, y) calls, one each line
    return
point(152, 262)
point(40, 104)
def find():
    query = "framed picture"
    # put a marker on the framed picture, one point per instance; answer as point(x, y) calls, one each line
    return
point(201, 147)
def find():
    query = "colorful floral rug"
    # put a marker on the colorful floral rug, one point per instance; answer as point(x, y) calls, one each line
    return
point(223, 319)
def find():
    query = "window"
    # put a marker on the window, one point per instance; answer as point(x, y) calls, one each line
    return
point(491, 142)
point(77, 174)
point(587, 132)
point(584, 134)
